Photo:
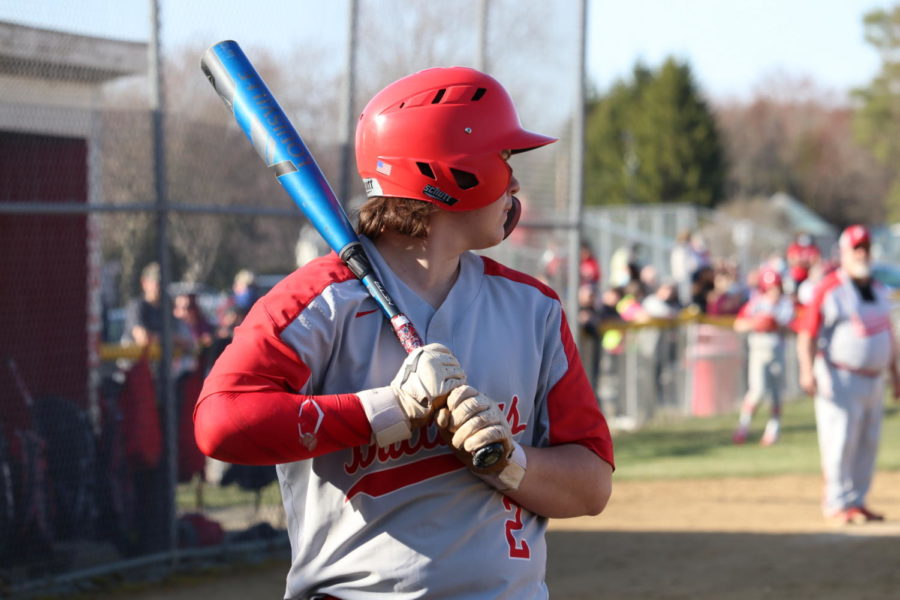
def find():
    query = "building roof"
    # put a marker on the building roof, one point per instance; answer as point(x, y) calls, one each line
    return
point(802, 218)
point(32, 52)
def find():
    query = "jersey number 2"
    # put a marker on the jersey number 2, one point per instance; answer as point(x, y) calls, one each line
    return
point(517, 548)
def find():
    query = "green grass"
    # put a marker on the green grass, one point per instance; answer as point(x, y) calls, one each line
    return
point(215, 496)
point(702, 448)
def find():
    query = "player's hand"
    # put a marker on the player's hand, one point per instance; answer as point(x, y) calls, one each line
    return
point(471, 421)
point(424, 380)
point(807, 382)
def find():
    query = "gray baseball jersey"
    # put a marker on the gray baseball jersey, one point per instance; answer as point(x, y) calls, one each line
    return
point(409, 520)
point(855, 339)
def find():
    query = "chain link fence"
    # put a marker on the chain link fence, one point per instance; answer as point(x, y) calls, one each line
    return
point(99, 473)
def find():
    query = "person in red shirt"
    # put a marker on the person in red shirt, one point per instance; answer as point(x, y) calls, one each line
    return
point(801, 255)
point(588, 267)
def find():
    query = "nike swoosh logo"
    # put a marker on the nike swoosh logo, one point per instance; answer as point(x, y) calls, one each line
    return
point(365, 312)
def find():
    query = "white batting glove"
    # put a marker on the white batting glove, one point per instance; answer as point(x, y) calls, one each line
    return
point(420, 387)
point(474, 420)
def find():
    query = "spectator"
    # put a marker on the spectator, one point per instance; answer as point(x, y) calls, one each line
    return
point(702, 283)
point(624, 265)
point(630, 306)
point(588, 268)
point(765, 317)
point(588, 328)
point(683, 262)
point(611, 340)
point(193, 323)
point(554, 266)
point(143, 319)
point(802, 253)
point(659, 345)
point(649, 278)
point(727, 295)
point(243, 289)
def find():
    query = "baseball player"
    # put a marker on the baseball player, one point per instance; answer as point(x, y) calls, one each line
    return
point(765, 317)
point(844, 343)
point(378, 488)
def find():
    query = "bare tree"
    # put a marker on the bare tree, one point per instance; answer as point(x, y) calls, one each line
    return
point(796, 138)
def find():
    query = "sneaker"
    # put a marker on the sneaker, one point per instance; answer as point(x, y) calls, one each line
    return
point(739, 436)
point(861, 514)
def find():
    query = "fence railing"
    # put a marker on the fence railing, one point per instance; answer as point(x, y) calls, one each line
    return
point(694, 365)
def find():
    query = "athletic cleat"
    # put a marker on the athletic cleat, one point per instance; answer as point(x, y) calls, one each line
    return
point(768, 438)
point(771, 433)
point(861, 514)
point(739, 436)
point(839, 518)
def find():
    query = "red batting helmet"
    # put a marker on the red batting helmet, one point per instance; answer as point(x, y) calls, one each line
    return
point(437, 135)
point(768, 279)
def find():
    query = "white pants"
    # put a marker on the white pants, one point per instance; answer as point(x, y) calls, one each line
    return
point(849, 410)
point(765, 376)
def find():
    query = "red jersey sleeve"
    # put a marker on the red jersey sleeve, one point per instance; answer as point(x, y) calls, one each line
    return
point(575, 416)
point(811, 320)
point(249, 412)
point(745, 310)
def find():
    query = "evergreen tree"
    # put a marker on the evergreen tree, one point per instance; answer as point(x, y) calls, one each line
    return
point(878, 118)
point(653, 140)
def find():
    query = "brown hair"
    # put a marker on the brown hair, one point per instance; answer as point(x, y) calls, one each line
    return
point(403, 215)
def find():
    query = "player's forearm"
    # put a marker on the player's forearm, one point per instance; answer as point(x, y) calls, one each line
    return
point(805, 352)
point(564, 481)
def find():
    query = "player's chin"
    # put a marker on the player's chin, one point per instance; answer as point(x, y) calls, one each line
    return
point(490, 240)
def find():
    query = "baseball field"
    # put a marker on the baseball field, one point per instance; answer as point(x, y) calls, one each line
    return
point(692, 517)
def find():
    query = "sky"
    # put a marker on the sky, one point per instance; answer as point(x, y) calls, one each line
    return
point(733, 46)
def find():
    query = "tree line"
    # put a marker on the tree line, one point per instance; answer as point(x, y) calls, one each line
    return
point(654, 138)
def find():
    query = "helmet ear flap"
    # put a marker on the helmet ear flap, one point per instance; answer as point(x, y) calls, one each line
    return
point(512, 217)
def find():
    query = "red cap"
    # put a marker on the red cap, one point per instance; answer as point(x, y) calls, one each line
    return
point(769, 278)
point(854, 236)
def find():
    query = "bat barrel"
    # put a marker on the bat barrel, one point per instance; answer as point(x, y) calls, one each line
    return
point(282, 150)
point(276, 141)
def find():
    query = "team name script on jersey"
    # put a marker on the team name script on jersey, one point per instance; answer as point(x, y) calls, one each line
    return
point(384, 478)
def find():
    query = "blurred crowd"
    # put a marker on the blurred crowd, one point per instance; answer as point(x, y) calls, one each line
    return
point(198, 335)
point(629, 290)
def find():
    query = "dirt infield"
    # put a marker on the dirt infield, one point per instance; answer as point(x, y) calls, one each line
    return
point(729, 538)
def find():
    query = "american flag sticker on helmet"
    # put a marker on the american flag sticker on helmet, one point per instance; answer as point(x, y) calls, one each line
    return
point(383, 167)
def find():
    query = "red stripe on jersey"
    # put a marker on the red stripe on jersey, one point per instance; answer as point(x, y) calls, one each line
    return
point(812, 312)
point(492, 267)
point(385, 481)
point(248, 411)
point(575, 416)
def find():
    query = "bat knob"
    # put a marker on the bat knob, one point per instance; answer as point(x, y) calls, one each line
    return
point(487, 456)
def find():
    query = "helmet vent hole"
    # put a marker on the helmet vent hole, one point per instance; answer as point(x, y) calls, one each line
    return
point(478, 94)
point(440, 94)
point(425, 169)
point(464, 179)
